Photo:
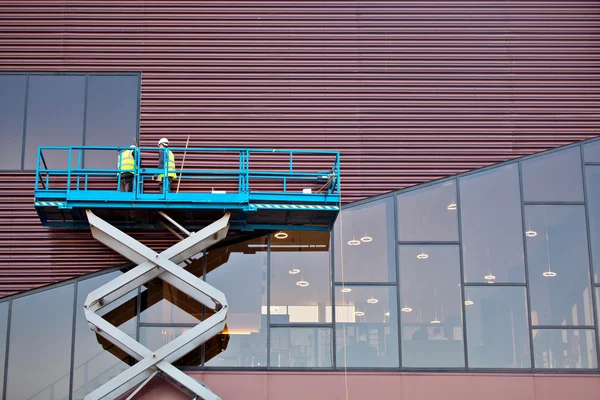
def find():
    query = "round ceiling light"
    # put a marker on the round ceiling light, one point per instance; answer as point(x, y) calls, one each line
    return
point(451, 206)
point(468, 302)
point(359, 313)
point(353, 242)
point(489, 277)
point(406, 309)
point(346, 290)
point(366, 239)
point(422, 256)
point(302, 283)
point(294, 271)
point(436, 321)
point(549, 274)
point(530, 233)
point(372, 300)
point(281, 235)
point(387, 313)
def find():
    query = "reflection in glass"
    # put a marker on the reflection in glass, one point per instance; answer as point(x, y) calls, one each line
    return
point(97, 360)
point(301, 348)
point(591, 151)
point(559, 275)
point(12, 110)
point(553, 177)
point(492, 233)
point(367, 243)
point(371, 327)
point(497, 327)
point(39, 359)
point(428, 214)
point(54, 116)
point(240, 271)
point(592, 176)
point(111, 116)
point(3, 334)
point(431, 306)
point(163, 303)
point(564, 348)
point(300, 278)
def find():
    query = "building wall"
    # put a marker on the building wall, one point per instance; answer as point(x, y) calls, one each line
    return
point(408, 92)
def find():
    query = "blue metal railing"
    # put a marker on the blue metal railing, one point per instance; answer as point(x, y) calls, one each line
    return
point(78, 177)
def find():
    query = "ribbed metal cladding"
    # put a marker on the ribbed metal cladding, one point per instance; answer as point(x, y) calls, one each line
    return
point(408, 91)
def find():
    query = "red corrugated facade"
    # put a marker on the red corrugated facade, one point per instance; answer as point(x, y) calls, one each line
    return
point(408, 91)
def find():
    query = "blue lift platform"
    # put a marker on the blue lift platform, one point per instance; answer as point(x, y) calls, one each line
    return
point(71, 180)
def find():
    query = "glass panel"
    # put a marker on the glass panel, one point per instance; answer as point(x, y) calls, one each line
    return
point(163, 303)
point(591, 151)
point(301, 348)
point(431, 306)
point(155, 337)
point(96, 360)
point(54, 117)
point(240, 271)
point(428, 214)
point(492, 235)
point(12, 110)
point(559, 275)
point(592, 176)
point(367, 240)
point(3, 326)
point(300, 278)
point(497, 327)
point(39, 359)
point(564, 348)
point(553, 177)
point(111, 117)
point(370, 318)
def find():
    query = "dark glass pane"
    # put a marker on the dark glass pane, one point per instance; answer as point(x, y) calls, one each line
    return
point(497, 327)
point(39, 359)
point(3, 334)
point(553, 177)
point(111, 117)
point(492, 235)
point(564, 348)
point(432, 334)
point(591, 151)
point(163, 303)
point(12, 110)
point(155, 337)
point(367, 243)
point(240, 271)
point(54, 117)
point(96, 360)
point(592, 176)
point(300, 278)
point(301, 348)
point(559, 275)
point(370, 317)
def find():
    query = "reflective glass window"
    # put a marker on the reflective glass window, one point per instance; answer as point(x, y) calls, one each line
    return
point(553, 177)
point(370, 317)
point(432, 334)
point(39, 357)
point(591, 151)
point(3, 334)
point(111, 116)
point(367, 243)
point(592, 174)
point(12, 111)
point(240, 271)
point(54, 117)
point(155, 337)
point(96, 360)
point(564, 348)
point(300, 278)
point(163, 303)
point(559, 275)
point(497, 327)
point(301, 348)
point(492, 236)
point(428, 214)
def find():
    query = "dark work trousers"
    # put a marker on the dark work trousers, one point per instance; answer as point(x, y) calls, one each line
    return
point(168, 184)
point(126, 182)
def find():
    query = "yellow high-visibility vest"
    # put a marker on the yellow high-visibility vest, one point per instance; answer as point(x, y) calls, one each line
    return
point(126, 162)
point(171, 165)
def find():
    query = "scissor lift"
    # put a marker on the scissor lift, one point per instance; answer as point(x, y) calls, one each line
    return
point(203, 204)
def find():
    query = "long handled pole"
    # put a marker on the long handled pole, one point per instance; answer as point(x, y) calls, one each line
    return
point(183, 162)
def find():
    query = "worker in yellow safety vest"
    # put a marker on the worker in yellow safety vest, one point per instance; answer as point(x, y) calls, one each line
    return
point(126, 167)
point(164, 144)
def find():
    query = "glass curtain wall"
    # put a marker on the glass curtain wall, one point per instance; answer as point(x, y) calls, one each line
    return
point(487, 270)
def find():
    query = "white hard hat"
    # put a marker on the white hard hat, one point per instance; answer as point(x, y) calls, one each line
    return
point(133, 145)
point(164, 141)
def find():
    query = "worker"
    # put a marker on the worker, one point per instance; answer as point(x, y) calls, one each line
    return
point(126, 167)
point(164, 144)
